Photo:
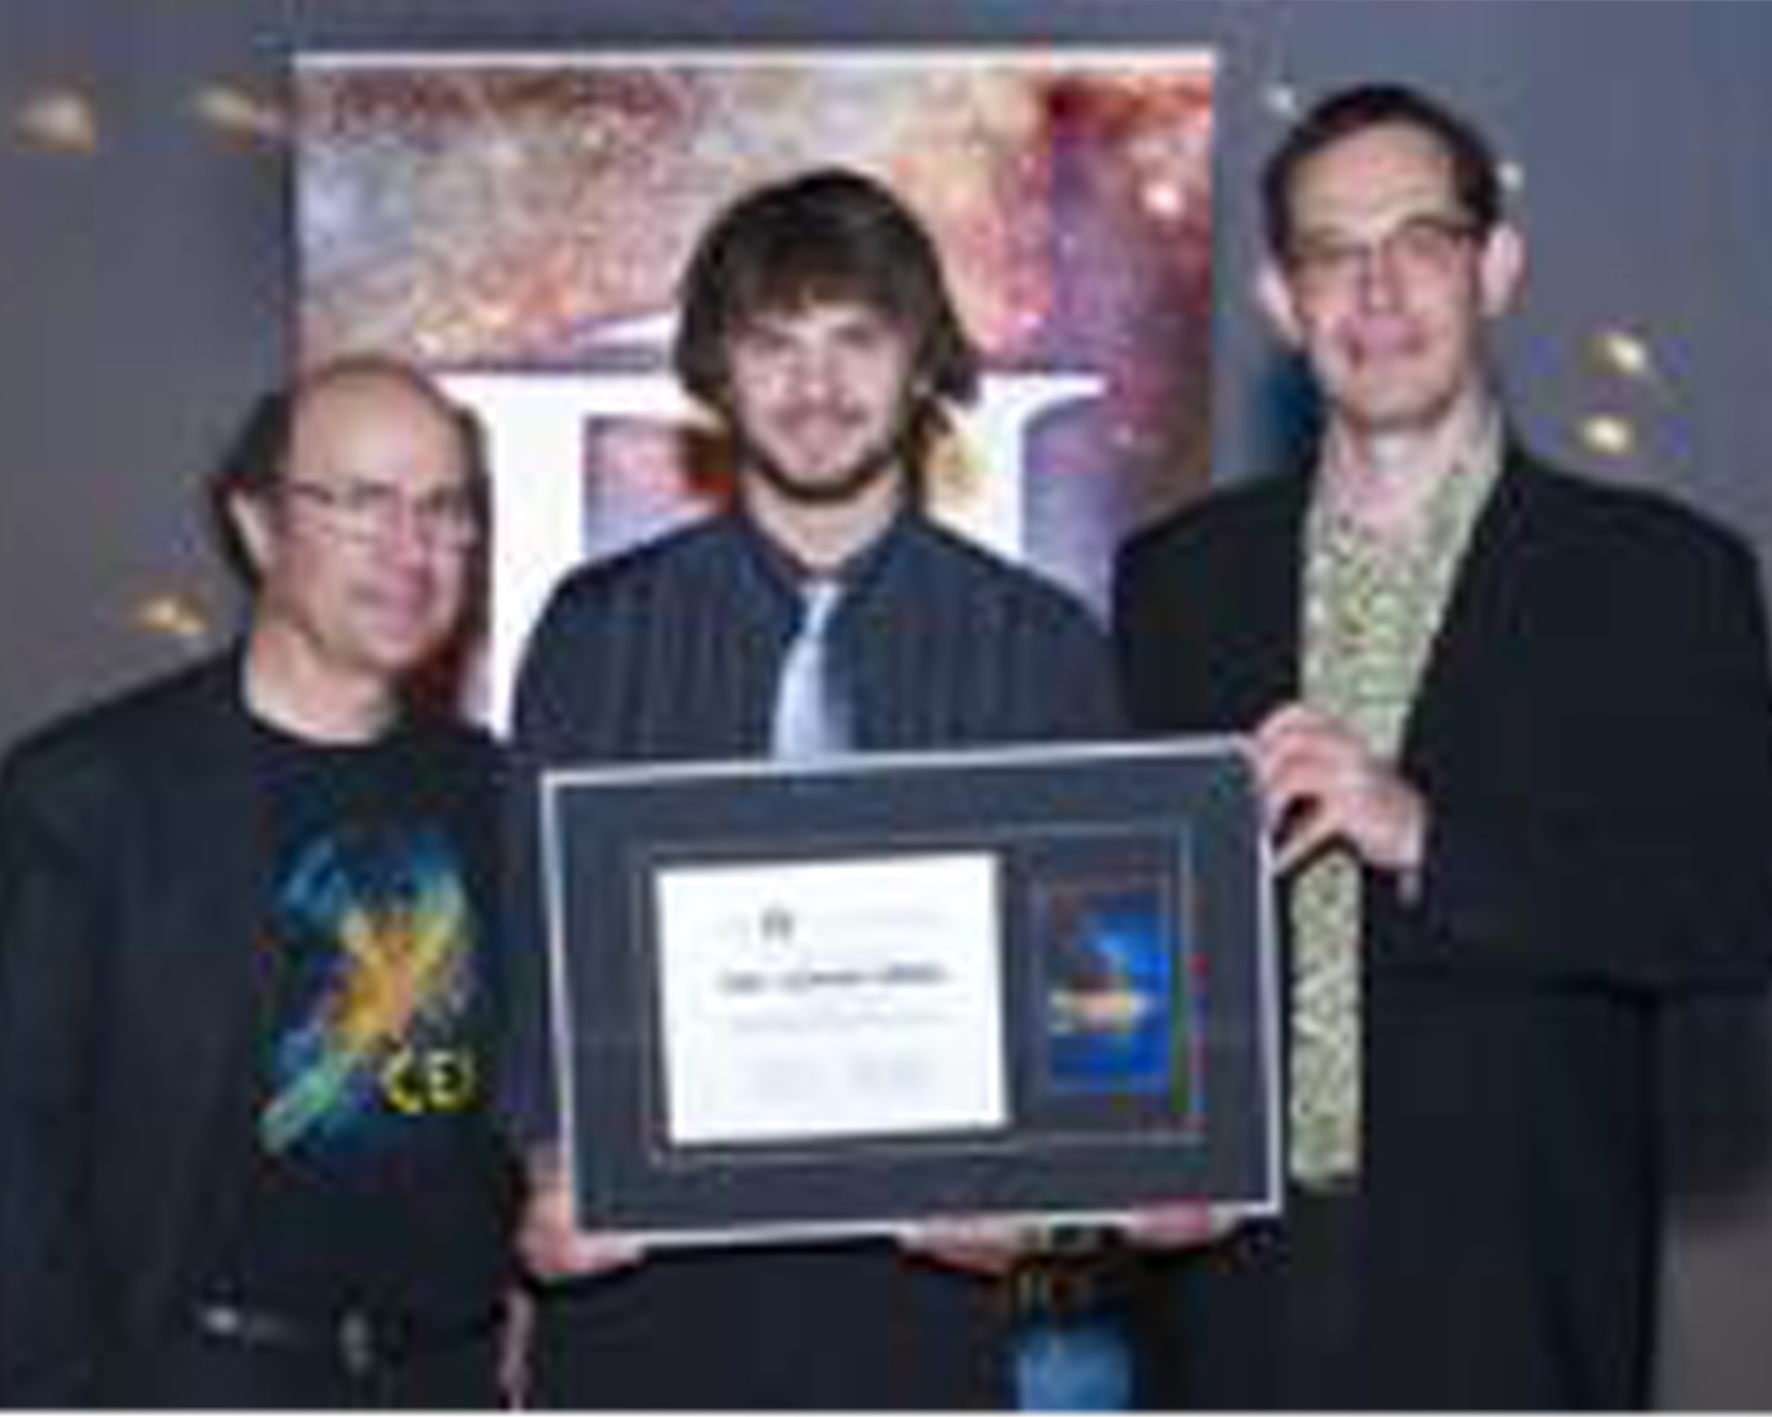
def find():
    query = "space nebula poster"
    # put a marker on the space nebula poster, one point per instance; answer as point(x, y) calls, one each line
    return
point(519, 222)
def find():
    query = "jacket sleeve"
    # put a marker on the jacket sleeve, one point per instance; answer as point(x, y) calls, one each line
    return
point(542, 719)
point(53, 914)
point(1144, 638)
point(1081, 686)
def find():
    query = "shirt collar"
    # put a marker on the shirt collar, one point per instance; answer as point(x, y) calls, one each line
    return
point(784, 573)
point(1469, 465)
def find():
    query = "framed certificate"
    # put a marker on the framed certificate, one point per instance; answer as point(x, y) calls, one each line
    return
point(845, 997)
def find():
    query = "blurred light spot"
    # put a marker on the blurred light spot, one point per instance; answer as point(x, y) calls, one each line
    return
point(60, 121)
point(1164, 199)
point(1282, 100)
point(1623, 353)
point(236, 113)
point(171, 617)
point(1609, 435)
point(1513, 177)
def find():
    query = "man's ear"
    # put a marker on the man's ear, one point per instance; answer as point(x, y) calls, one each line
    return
point(250, 518)
point(1501, 268)
point(1274, 297)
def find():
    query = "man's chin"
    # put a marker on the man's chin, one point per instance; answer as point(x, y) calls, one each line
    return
point(397, 653)
point(1393, 413)
point(825, 487)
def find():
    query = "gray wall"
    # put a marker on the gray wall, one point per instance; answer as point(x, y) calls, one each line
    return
point(144, 298)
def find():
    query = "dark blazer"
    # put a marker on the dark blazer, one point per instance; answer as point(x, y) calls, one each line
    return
point(1594, 737)
point(132, 888)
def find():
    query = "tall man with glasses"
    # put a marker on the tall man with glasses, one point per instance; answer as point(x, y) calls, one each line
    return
point(246, 1015)
point(1514, 732)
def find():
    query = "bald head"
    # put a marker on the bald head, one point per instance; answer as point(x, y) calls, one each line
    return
point(372, 379)
point(356, 382)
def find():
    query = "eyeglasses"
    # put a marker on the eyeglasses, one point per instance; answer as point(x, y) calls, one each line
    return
point(1423, 247)
point(373, 512)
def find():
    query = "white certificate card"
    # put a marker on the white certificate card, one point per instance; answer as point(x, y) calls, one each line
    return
point(831, 999)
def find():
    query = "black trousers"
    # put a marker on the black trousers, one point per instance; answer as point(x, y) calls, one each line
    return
point(202, 1371)
point(840, 1326)
point(1264, 1321)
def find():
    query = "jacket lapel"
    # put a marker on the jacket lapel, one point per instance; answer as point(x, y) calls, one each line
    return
point(1281, 611)
point(215, 809)
point(1457, 680)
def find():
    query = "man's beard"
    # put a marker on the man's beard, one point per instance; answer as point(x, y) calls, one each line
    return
point(891, 456)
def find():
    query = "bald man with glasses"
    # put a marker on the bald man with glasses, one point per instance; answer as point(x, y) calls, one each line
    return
point(246, 1004)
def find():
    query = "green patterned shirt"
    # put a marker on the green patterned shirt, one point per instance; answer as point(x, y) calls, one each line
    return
point(1371, 612)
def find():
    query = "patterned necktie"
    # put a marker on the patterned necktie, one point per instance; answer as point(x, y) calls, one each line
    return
point(809, 719)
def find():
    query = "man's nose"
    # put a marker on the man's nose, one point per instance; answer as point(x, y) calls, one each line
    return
point(812, 376)
point(413, 530)
point(1380, 278)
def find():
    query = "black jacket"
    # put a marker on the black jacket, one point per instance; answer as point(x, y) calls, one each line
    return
point(132, 1007)
point(1594, 736)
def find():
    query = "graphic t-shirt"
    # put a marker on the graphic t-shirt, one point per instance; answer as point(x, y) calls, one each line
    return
point(378, 982)
point(373, 1179)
